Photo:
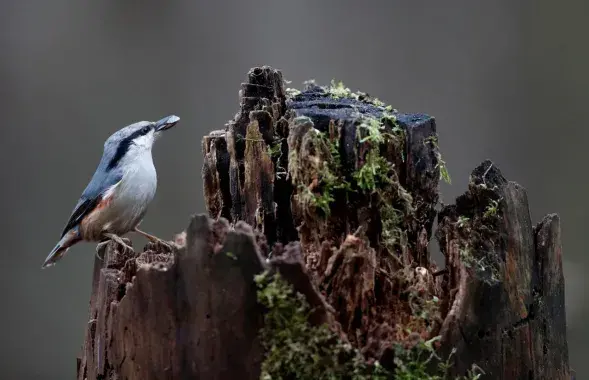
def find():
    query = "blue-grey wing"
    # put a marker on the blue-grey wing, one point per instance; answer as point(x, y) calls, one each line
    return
point(100, 183)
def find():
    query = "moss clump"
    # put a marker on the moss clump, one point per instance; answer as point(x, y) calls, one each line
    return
point(275, 149)
point(295, 349)
point(323, 177)
point(491, 209)
point(311, 172)
point(338, 90)
point(478, 231)
point(316, 170)
point(379, 176)
point(317, 173)
point(415, 364)
point(376, 169)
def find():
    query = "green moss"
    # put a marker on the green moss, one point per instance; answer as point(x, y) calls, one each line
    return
point(419, 359)
point(379, 176)
point(374, 131)
point(376, 170)
point(492, 209)
point(462, 221)
point(338, 90)
point(319, 176)
point(322, 177)
point(415, 364)
point(392, 235)
point(373, 172)
point(295, 349)
point(332, 179)
point(275, 149)
point(474, 229)
point(481, 264)
point(444, 174)
point(321, 200)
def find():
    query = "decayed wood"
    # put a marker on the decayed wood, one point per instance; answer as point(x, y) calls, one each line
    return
point(549, 323)
point(193, 314)
point(504, 290)
point(189, 314)
point(265, 192)
point(258, 188)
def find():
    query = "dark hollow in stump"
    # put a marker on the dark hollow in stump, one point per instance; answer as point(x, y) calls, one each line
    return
point(339, 192)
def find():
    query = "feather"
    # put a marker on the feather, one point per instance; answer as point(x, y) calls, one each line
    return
point(99, 188)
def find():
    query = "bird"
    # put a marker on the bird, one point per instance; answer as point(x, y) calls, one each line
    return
point(117, 197)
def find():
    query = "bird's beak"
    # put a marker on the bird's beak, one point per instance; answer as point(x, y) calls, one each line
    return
point(166, 123)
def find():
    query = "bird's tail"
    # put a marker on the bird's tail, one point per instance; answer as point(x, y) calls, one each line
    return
point(69, 239)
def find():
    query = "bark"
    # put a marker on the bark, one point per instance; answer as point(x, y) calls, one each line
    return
point(287, 190)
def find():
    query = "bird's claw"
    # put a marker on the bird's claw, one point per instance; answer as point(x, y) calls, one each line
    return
point(156, 241)
point(99, 248)
point(122, 246)
point(162, 243)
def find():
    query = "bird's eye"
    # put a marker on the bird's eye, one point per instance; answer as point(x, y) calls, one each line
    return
point(145, 130)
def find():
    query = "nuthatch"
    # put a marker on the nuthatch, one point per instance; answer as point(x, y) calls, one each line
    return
point(116, 199)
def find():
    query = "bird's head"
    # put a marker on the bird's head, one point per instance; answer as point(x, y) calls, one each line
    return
point(133, 140)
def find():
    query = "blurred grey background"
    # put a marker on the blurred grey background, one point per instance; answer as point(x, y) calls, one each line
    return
point(506, 80)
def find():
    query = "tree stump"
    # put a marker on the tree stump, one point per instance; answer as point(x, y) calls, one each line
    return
point(337, 193)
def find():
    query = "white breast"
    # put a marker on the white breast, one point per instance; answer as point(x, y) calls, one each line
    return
point(133, 195)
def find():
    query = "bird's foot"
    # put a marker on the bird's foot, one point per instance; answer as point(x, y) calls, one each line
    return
point(100, 248)
point(162, 243)
point(124, 246)
point(156, 240)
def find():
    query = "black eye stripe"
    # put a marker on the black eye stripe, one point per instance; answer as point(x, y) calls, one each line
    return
point(125, 144)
